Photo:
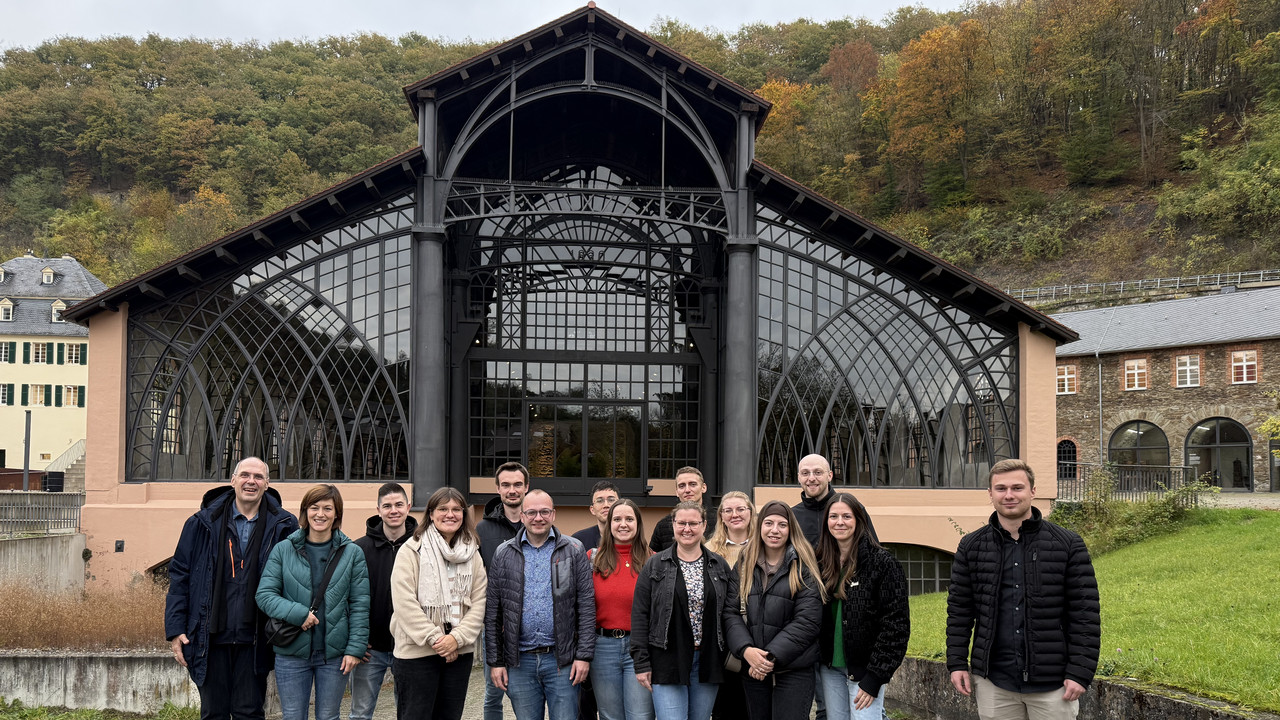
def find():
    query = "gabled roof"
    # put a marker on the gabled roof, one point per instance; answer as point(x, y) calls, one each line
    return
point(24, 277)
point(885, 250)
point(326, 209)
point(589, 19)
point(34, 317)
point(1206, 320)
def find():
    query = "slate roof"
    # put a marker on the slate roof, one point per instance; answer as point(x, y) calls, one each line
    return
point(33, 300)
point(1206, 320)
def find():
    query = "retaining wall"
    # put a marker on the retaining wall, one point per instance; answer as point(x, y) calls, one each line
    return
point(923, 689)
point(53, 563)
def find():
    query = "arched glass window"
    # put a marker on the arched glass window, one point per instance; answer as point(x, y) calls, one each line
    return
point(1068, 470)
point(1221, 448)
point(927, 570)
point(1138, 443)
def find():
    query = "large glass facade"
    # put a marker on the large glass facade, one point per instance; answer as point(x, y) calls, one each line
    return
point(301, 359)
point(894, 386)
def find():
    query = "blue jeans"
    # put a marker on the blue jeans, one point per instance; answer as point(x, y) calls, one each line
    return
point(294, 680)
point(619, 696)
point(685, 702)
point(366, 683)
point(492, 695)
point(839, 693)
point(537, 684)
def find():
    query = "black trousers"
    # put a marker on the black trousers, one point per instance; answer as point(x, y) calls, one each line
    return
point(428, 688)
point(781, 696)
point(731, 703)
point(231, 689)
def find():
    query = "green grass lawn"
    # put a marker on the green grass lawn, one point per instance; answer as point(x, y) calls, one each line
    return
point(16, 711)
point(1198, 609)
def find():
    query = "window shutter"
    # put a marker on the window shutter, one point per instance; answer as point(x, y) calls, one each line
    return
point(48, 352)
point(13, 352)
point(60, 346)
point(9, 393)
point(26, 355)
point(48, 393)
point(84, 353)
point(80, 397)
point(24, 393)
point(57, 395)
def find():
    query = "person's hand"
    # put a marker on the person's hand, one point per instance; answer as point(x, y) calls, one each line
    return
point(1072, 690)
point(961, 682)
point(310, 622)
point(578, 673)
point(349, 663)
point(178, 642)
point(446, 647)
point(368, 653)
point(760, 664)
point(499, 677)
point(645, 679)
point(862, 700)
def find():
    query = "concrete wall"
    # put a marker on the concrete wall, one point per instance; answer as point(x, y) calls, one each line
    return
point(923, 689)
point(53, 563)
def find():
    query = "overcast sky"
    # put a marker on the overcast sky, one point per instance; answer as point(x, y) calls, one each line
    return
point(26, 23)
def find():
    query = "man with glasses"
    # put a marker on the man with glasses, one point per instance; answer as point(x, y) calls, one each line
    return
point(603, 495)
point(540, 616)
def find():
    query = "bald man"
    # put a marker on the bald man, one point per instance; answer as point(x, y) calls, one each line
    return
point(814, 474)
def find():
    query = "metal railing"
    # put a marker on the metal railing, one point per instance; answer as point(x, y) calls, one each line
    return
point(39, 513)
point(1062, 292)
point(67, 458)
point(1120, 482)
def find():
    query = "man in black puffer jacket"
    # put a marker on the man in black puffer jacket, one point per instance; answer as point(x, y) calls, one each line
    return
point(1023, 589)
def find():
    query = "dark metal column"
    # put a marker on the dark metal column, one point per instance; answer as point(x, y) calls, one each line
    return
point(739, 367)
point(429, 361)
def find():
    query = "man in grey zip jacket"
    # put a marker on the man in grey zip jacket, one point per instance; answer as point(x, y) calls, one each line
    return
point(540, 615)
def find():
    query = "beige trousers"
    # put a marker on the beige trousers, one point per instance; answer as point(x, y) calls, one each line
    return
point(997, 704)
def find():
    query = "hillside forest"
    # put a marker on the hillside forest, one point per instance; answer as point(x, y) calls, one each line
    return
point(1032, 141)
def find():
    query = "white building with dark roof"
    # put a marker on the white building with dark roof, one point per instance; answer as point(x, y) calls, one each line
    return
point(43, 359)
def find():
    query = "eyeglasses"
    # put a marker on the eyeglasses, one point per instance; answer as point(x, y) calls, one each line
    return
point(540, 512)
point(735, 511)
point(687, 524)
point(815, 473)
point(605, 500)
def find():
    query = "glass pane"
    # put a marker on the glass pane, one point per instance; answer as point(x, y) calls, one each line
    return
point(1202, 434)
point(1233, 465)
point(1126, 437)
point(1230, 431)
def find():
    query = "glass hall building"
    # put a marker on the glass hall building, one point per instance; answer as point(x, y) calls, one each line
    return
point(583, 268)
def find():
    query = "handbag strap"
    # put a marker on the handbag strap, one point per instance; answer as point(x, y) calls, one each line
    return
point(318, 591)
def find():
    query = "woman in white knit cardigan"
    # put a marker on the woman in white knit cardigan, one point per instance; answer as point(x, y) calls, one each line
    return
point(437, 593)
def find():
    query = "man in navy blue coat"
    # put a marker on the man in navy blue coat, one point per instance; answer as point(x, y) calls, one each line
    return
point(210, 617)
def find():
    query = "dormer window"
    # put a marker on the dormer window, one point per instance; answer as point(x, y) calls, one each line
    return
point(6, 310)
point(1, 274)
point(58, 307)
point(46, 277)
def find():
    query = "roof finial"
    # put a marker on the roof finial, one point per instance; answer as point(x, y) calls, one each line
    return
point(592, 4)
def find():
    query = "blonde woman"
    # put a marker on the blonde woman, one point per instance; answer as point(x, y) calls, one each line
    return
point(737, 517)
point(438, 589)
point(777, 638)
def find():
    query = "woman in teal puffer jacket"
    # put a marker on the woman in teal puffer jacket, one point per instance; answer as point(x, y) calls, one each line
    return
point(335, 633)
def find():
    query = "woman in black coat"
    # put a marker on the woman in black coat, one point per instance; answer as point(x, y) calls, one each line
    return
point(776, 637)
point(866, 626)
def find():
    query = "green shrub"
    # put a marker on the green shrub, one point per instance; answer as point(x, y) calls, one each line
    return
point(1108, 524)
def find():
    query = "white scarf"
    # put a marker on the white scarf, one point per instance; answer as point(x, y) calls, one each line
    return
point(444, 577)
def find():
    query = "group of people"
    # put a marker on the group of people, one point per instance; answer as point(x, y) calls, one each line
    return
point(742, 609)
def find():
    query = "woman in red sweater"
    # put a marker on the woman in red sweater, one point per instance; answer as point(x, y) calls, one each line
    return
point(615, 567)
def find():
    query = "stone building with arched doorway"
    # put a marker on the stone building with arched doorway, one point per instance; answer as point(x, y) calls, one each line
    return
point(582, 268)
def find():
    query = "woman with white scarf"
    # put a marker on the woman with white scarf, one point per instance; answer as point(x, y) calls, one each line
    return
point(437, 596)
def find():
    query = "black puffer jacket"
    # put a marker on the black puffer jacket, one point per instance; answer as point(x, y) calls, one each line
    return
point(877, 619)
point(811, 513)
point(778, 622)
point(1062, 620)
point(573, 598)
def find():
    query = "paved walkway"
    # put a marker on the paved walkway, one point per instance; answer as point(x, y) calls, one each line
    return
point(1260, 500)
point(473, 710)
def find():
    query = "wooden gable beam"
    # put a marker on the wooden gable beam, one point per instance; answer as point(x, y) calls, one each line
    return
point(187, 273)
point(262, 239)
point(225, 255)
point(147, 288)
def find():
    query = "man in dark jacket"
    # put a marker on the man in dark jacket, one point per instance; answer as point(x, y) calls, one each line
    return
point(1023, 590)
point(501, 522)
point(210, 617)
point(540, 616)
point(383, 536)
point(690, 487)
point(814, 474)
